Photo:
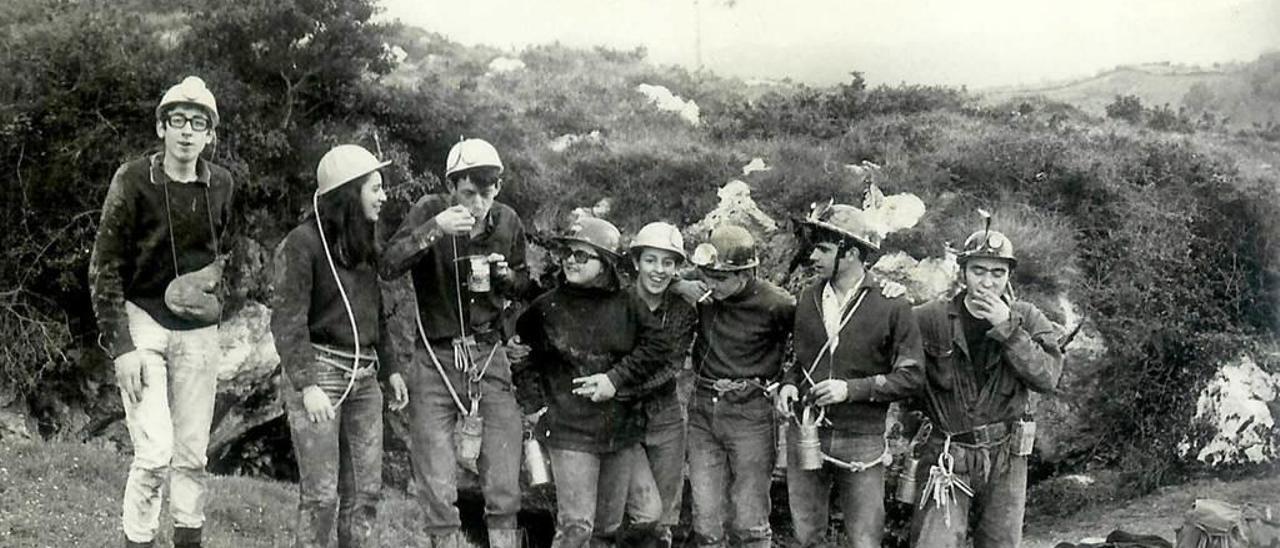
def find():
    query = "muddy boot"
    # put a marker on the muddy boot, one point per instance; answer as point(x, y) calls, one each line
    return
point(131, 544)
point(504, 538)
point(186, 537)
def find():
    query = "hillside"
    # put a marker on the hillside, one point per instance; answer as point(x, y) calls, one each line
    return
point(1166, 244)
point(1245, 93)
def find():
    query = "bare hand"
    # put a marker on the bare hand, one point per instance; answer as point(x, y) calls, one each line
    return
point(596, 387)
point(787, 395)
point(690, 290)
point(317, 404)
point(517, 351)
point(400, 392)
point(131, 371)
point(988, 306)
point(455, 221)
point(500, 267)
point(830, 391)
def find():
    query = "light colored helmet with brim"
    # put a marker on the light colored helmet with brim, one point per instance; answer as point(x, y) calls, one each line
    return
point(659, 235)
point(343, 164)
point(471, 153)
point(190, 91)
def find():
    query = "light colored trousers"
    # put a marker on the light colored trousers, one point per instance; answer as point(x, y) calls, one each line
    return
point(169, 426)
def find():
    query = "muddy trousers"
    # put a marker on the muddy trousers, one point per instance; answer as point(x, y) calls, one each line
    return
point(731, 456)
point(662, 469)
point(339, 465)
point(591, 495)
point(169, 428)
point(992, 516)
point(861, 493)
point(433, 416)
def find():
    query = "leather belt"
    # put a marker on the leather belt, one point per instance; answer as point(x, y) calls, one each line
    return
point(995, 433)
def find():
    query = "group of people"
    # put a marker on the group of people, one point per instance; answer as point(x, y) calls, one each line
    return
point(597, 357)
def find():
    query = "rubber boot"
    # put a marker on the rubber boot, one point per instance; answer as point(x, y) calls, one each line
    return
point(131, 544)
point(504, 538)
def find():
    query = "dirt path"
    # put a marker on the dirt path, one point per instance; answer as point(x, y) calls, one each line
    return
point(1159, 513)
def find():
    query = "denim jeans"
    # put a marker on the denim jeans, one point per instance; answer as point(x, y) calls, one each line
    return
point(861, 493)
point(662, 471)
point(999, 482)
point(432, 418)
point(591, 495)
point(731, 455)
point(169, 426)
point(339, 466)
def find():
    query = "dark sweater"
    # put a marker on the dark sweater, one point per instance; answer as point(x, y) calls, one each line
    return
point(574, 332)
point(745, 335)
point(133, 257)
point(423, 249)
point(306, 308)
point(878, 355)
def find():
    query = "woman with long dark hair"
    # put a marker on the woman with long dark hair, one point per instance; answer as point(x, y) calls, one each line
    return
point(329, 325)
point(589, 338)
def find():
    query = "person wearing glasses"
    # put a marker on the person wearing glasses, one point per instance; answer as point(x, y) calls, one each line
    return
point(466, 255)
point(590, 338)
point(985, 351)
point(744, 325)
point(155, 275)
point(329, 323)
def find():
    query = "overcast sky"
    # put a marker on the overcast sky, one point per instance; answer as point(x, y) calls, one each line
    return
point(978, 43)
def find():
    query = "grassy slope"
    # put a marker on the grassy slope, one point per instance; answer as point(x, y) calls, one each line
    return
point(68, 494)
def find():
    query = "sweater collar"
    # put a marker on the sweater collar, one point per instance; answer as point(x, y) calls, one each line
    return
point(158, 176)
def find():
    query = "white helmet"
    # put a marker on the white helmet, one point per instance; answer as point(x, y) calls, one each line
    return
point(345, 163)
point(470, 153)
point(190, 91)
point(659, 235)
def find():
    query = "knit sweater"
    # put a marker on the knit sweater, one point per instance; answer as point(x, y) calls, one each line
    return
point(306, 308)
point(574, 332)
point(878, 353)
point(136, 247)
point(745, 335)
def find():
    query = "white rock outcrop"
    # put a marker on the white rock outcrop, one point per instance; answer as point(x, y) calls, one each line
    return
point(662, 97)
point(1237, 406)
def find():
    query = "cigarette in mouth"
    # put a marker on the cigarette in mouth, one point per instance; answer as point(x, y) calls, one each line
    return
point(705, 296)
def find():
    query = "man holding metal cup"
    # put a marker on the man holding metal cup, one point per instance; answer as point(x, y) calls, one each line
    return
point(857, 350)
point(466, 254)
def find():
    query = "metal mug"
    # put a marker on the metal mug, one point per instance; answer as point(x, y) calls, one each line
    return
point(808, 447)
point(908, 489)
point(535, 463)
point(479, 278)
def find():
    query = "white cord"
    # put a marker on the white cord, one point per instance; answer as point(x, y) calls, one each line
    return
point(355, 332)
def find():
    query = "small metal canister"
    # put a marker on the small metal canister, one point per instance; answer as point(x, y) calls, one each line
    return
point(470, 435)
point(908, 490)
point(808, 447)
point(535, 463)
point(1024, 437)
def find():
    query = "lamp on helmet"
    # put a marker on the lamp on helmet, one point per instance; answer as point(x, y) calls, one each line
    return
point(731, 248)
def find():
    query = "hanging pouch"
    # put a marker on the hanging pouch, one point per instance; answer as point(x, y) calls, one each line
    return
point(194, 295)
